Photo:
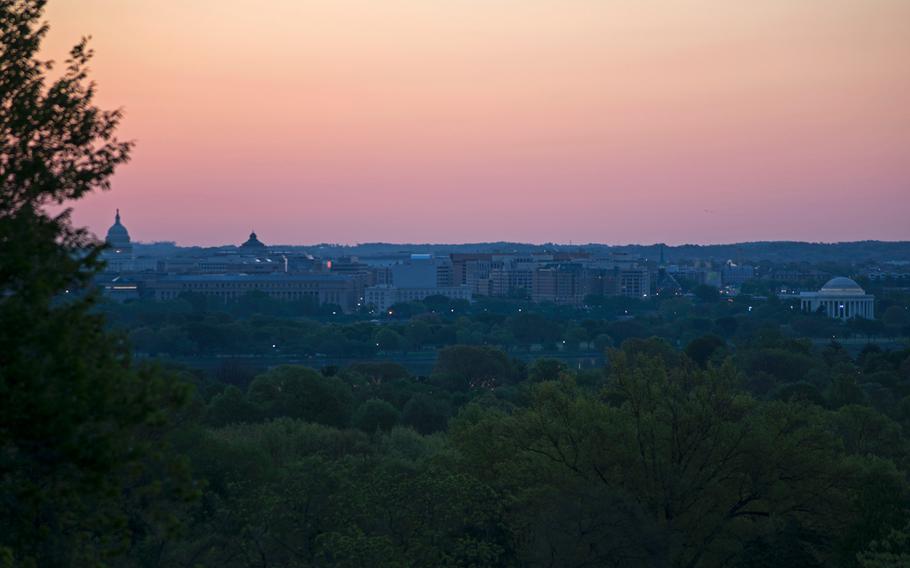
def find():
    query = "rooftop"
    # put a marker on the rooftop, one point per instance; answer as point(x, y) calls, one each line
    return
point(842, 285)
point(279, 277)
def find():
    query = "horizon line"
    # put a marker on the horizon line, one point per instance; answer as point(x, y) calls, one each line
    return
point(533, 244)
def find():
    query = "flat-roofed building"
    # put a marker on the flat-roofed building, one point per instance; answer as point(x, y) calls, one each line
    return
point(565, 283)
point(512, 273)
point(321, 288)
point(736, 274)
point(634, 282)
point(419, 271)
point(361, 273)
point(620, 275)
point(472, 270)
point(381, 298)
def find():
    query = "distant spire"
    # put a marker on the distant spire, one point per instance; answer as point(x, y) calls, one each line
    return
point(117, 218)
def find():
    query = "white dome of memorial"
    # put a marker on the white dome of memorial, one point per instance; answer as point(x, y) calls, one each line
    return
point(842, 285)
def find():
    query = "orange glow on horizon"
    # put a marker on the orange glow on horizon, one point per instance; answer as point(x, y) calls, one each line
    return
point(479, 120)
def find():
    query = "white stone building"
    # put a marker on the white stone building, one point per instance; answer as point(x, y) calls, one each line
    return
point(840, 298)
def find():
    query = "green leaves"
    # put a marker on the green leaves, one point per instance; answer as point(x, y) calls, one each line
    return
point(300, 392)
point(375, 414)
point(83, 469)
point(680, 452)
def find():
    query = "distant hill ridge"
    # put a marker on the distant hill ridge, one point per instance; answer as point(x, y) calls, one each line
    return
point(774, 251)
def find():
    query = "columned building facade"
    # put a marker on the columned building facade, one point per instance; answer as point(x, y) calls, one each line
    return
point(841, 298)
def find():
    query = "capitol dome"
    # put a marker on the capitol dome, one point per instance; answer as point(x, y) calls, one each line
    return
point(118, 237)
point(842, 286)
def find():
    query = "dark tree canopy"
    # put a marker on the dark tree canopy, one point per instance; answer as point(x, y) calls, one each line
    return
point(374, 415)
point(78, 422)
point(299, 392)
point(716, 435)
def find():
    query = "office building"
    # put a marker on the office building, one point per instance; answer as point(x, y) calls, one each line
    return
point(320, 288)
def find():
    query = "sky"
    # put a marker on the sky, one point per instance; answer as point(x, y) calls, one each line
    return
point(611, 121)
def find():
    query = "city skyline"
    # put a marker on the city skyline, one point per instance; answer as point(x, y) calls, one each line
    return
point(704, 122)
point(254, 235)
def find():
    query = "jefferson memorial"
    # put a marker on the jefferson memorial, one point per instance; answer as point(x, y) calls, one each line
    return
point(840, 298)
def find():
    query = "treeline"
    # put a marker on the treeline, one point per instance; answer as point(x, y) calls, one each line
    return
point(774, 251)
point(258, 325)
point(724, 442)
point(773, 455)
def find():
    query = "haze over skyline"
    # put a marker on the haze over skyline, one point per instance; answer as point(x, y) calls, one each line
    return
point(502, 120)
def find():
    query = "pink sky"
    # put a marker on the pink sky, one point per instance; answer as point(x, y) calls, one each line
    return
point(527, 120)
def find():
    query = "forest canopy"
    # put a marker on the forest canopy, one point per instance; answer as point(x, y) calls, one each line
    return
point(710, 432)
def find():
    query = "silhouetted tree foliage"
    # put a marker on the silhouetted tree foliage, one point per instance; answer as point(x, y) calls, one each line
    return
point(83, 473)
point(706, 293)
point(299, 392)
point(465, 367)
point(374, 415)
point(717, 435)
point(546, 370)
point(426, 414)
point(702, 349)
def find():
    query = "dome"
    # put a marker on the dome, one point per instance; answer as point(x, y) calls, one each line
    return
point(842, 286)
point(253, 243)
point(117, 236)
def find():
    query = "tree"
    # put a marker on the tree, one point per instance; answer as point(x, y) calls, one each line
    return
point(546, 370)
point(574, 336)
point(702, 349)
point(623, 330)
point(375, 414)
point(706, 293)
point(726, 326)
point(712, 468)
point(602, 342)
point(465, 367)
point(896, 316)
point(380, 371)
point(388, 339)
point(800, 391)
point(786, 365)
point(80, 425)
point(529, 327)
point(892, 551)
point(843, 390)
point(426, 414)
point(230, 407)
point(299, 392)
point(418, 333)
